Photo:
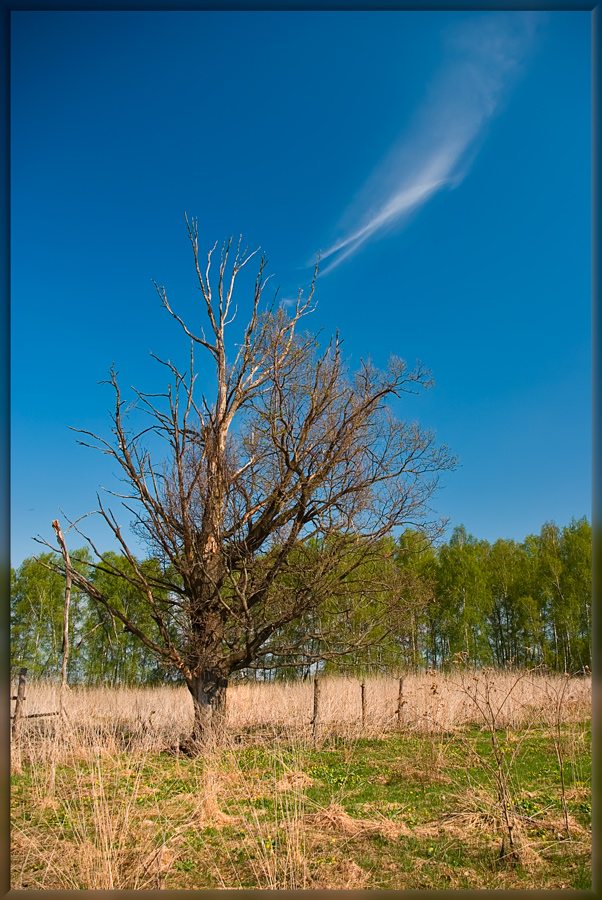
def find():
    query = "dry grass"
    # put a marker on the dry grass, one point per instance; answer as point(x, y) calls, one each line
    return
point(154, 717)
point(97, 814)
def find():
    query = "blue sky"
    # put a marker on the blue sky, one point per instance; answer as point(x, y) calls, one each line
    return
point(438, 161)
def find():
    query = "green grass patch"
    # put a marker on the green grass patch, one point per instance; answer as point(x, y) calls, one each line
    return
point(404, 810)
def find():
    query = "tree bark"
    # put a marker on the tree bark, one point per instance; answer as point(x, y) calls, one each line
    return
point(208, 691)
point(219, 710)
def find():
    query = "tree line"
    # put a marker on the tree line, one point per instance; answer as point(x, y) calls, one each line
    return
point(503, 604)
point(493, 604)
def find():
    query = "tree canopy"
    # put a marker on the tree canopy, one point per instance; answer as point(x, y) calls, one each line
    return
point(270, 503)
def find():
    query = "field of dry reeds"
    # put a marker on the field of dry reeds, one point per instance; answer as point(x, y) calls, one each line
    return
point(480, 779)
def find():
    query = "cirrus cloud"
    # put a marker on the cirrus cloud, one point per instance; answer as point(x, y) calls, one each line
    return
point(484, 57)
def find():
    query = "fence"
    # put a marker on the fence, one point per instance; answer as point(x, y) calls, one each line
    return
point(20, 704)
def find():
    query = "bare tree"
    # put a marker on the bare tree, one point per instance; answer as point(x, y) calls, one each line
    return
point(270, 499)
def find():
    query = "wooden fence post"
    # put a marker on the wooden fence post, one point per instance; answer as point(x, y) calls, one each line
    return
point(400, 703)
point(363, 689)
point(20, 698)
point(316, 718)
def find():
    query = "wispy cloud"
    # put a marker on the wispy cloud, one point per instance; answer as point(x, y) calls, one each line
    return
point(483, 59)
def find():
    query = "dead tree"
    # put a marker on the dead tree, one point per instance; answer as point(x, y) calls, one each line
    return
point(268, 498)
point(65, 647)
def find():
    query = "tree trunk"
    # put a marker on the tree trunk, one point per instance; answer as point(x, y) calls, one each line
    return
point(219, 709)
point(208, 692)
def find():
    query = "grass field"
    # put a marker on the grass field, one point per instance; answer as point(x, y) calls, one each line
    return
point(484, 783)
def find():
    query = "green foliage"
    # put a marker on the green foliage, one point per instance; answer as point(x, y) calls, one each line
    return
point(112, 653)
point(514, 604)
point(463, 598)
point(99, 648)
point(37, 599)
point(403, 607)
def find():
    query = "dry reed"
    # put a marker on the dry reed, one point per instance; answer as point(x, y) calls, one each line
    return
point(156, 717)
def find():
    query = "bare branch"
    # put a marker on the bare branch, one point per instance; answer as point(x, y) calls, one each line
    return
point(275, 499)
